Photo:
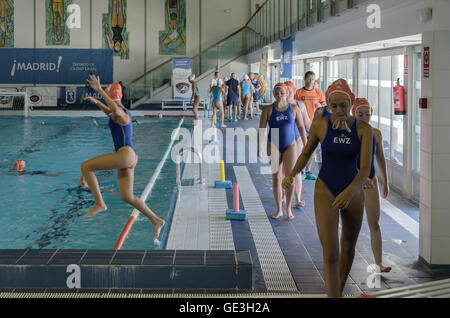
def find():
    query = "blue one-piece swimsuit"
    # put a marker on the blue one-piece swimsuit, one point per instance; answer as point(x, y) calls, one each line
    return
point(216, 94)
point(326, 113)
point(340, 151)
point(122, 134)
point(372, 167)
point(285, 122)
point(246, 88)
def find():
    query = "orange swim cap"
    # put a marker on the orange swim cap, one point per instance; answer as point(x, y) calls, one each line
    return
point(340, 89)
point(292, 86)
point(361, 103)
point(114, 91)
point(19, 165)
point(283, 86)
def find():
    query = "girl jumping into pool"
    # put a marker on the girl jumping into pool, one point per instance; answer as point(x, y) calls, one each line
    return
point(339, 188)
point(124, 159)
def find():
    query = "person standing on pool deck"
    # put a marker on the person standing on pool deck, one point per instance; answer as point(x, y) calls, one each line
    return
point(246, 96)
point(217, 102)
point(257, 88)
point(282, 152)
point(196, 98)
point(301, 142)
point(234, 96)
point(363, 112)
point(312, 98)
point(339, 188)
point(124, 159)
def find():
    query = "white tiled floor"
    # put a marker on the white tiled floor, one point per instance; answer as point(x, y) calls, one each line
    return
point(199, 221)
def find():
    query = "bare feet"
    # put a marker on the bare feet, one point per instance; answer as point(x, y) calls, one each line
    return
point(290, 216)
point(96, 209)
point(277, 215)
point(298, 205)
point(384, 269)
point(158, 226)
point(224, 126)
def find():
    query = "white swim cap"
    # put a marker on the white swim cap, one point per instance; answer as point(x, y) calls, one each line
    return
point(220, 82)
point(245, 77)
point(213, 82)
point(191, 78)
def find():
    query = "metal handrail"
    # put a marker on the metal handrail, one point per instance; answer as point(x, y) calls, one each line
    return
point(193, 57)
point(178, 162)
point(208, 48)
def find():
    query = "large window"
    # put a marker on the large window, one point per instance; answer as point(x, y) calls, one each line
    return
point(398, 68)
point(298, 74)
point(384, 109)
point(377, 76)
point(372, 90)
point(416, 114)
point(362, 78)
point(340, 69)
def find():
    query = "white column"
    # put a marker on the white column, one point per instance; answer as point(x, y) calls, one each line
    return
point(435, 153)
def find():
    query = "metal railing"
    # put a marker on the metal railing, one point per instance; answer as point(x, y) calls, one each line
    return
point(274, 20)
point(178, 162)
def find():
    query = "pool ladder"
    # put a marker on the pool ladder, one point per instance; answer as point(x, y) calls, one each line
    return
point(178, 162)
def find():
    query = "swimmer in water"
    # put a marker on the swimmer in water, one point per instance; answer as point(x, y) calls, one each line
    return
point(124, 159)
point(19, 166)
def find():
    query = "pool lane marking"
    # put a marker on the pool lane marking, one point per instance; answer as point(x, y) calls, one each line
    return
point(126, 230)
point(276, 273)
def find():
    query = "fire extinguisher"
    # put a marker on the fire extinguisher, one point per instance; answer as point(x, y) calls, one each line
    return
point(399, 99)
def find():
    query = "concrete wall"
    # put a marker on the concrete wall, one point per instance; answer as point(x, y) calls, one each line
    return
point(144, 21)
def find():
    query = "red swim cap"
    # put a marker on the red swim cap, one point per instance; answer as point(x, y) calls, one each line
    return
point(19, 165)
point(361, 103)
point(283, 86)
point(114, 91)
point(292, 86)
point(340, 89)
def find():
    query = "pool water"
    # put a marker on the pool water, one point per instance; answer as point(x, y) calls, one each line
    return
point(47, 212)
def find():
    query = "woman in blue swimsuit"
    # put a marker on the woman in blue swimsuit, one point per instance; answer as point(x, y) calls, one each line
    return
point(283, 119)
point(363, 112)
point(247, 91)
point(339, 188)
point(218, 92)
point(124, 159)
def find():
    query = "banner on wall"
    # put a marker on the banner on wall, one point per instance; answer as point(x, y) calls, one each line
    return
point(7, 23)
point(54, 66)
point(264, 62)
point(262, 87)
point(286, 58)
point(42, 96)
point(181, 70)
point(115, 35)
point(78, 95)
point(56, 30)
point(172, 40)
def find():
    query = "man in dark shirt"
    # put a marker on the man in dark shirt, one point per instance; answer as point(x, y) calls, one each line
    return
point(234, 96)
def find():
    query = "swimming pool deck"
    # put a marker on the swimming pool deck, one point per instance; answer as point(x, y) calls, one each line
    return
point(287, 254)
